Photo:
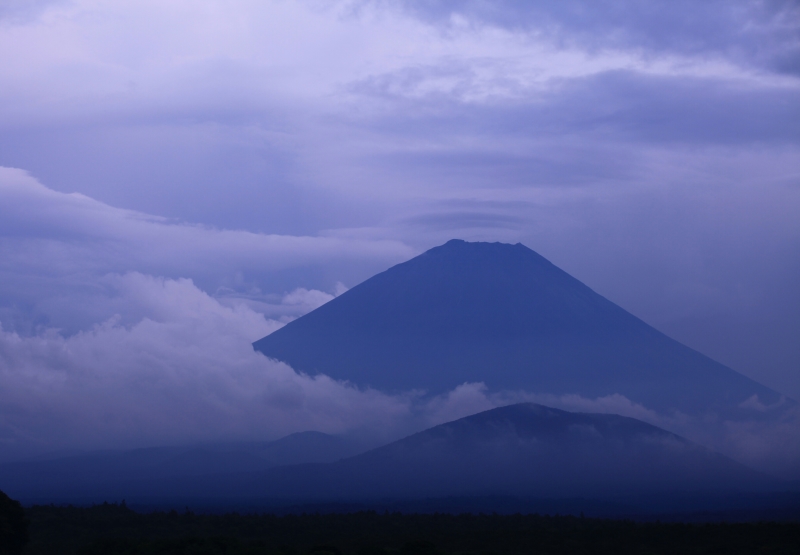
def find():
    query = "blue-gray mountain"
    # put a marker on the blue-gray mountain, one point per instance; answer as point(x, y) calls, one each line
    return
point(80, 477)
point(503, 315)
point(524, 450)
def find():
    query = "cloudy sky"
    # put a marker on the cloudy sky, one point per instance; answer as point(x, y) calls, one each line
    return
point(180, 177)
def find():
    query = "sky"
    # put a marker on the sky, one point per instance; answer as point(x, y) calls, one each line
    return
point(179, 178)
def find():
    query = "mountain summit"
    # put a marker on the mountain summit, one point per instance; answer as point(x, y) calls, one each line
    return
point(503, 315)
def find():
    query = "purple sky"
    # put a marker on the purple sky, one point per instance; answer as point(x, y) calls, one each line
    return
point(179, 177)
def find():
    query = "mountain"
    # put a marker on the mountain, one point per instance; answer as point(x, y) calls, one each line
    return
point(523, 451)
point(79, 476)
point(503, 315)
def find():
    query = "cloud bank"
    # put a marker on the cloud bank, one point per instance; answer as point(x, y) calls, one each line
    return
point(186, 372)
point(103, 343)
point(57, 247)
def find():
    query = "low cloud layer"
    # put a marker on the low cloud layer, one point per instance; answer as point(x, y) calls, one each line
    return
point(106, 343)
point(185, 372)
point(772, 447)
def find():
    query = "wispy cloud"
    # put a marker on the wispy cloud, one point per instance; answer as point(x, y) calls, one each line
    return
point(57, 248)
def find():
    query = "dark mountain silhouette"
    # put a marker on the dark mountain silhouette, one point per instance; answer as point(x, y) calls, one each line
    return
point(524, 451)
point(503, 315)
point(80, 475)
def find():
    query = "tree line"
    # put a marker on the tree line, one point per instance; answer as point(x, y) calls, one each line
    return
point(115, 529)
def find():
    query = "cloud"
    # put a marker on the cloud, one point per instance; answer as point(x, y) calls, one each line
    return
point(57, 247)
point(104, 341)
point(124, 351)
point(185, 372)
point(464, 400)
point(284, 308)
point(760, 443)
point(470, 398)
point(771, 447)
point(608, 404)
point(759, 33)
point(763, 443)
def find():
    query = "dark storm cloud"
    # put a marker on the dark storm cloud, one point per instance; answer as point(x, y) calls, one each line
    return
point(762, 33)
point(618, 105)
point(657, 109)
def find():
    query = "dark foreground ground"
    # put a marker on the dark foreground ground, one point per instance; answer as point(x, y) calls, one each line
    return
point(115, 529)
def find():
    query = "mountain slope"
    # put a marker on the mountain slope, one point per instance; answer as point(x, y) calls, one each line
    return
point(83, 475)
point(524, 450)
point(503, 315)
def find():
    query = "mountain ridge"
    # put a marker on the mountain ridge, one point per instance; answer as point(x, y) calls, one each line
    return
point(523, 450)
point(503, 315)
point(527, 449)
point(96, 470)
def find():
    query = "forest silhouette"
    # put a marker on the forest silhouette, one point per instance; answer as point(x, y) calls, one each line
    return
point(115, 529)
